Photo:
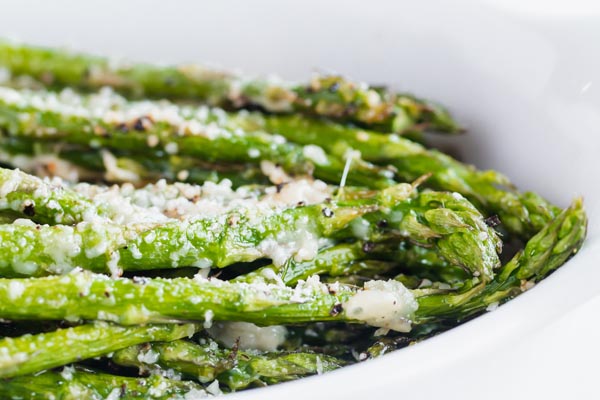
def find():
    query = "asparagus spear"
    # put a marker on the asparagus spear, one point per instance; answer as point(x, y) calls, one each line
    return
point(83, 295)
point(523, 214)
point(78, 383)
point(365, 258)
point(329, 96)
point(235, 368)
point(42, 201)
point(34, 353)
point(448, 222)
point(140, 128)
point(91, 165)
point(546, 251)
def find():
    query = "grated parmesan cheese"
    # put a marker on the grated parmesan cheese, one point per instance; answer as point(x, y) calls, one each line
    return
point(384, 304)
point(267, 338)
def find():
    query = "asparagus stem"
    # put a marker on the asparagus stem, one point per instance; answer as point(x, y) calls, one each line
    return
point(79, 383)
point(448, 222)
point(83, 295)
point(42, 201)
point(547, 250)
point(90, 165)
point(329, 96)
point(34, 353)
point(523, 214)
point(367, 259)
point(235, 368)
point(138, 128)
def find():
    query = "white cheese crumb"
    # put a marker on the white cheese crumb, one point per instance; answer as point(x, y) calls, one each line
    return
point(152, 141)
point(208, 318)
point(15, 289)
point(267, 338)
point(214, 388)
point(384, 304)
point(172, 148)
point(253, 153)
point(183, 175)
point(115, 394)
point(67, 373)
point(148, 357)
point(362, 136)
point(114, 172)
point(275, 174)
point(316, 154)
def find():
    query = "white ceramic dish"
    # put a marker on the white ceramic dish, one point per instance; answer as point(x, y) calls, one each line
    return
point(524, 78)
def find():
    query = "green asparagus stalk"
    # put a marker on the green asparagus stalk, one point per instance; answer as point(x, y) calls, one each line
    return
point(34, 353)
point(90, 165)
point(84, 295)
point(522, 214)
point(42, 201)
point(543, 253)
point(138, 128)
point(329, 96)
point(78, 383)
point(367, 259)
point(200, 362)
point(235, 368)
point(448, 222)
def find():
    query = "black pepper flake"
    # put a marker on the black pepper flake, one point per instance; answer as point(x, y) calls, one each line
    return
point(138, 125)
point(368, 247)
point(106, 293)
point(493, 221)
point(140, 280)
point(29, 210)
point(382, 223)
point(123, 128)
point(233, 356)
point(334, 87)
point(336, 309)
point(279, 186)
point(327, 212)
point(301, 203)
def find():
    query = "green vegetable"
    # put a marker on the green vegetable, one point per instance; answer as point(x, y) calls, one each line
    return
point(448, 222)
point(522, 214)
point(83, 295)
point(79, 383)
point(34, 353)
point(328, 96)
point(235, 368)
point(543, 253)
